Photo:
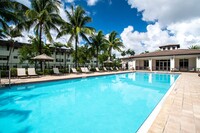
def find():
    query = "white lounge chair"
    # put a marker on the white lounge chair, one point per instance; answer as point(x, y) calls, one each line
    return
point(31, 72)
point(87, 70)
point(56, 71)
point(97, 69)
point(104, 68)
point(74, 70)
point(21, 72)
point(117, 68)
point(111, 68)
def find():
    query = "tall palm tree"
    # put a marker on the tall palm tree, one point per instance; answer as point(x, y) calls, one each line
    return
point(44, 16)
point(12, 34)
point(113, 43)
point(11, 12)
point(76, 27)
point(97, 41)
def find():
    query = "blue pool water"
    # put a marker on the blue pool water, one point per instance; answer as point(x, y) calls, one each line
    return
point(105, 104)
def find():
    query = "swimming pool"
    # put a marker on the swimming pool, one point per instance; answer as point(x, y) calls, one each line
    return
point(105, 104)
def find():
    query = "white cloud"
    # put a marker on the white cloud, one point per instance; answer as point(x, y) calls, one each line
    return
point(167, 11)
point(184, 33)
point(175, 22)
point(92, 2)
point(69, 1)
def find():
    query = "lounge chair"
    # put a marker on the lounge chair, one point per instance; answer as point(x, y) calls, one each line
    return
point(87, 70)
point(97, 70)
point(111, 68)
point(31, 72)
point(174, 70)
point(104, 68)
point(74, 70)
point(117, 68)
point(56, 71)
point(192, 70)
point(21, 72)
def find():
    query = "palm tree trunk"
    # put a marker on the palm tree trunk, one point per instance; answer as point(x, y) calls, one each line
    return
point(76, 41)
point(40, 44)
point(97, 64)
point(11, 48)
point(110, 51)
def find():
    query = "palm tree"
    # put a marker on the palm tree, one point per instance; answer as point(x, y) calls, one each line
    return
point(44, 16)
point(194, 47)
point(76, 27)
point(12, 34)
point(97, 41)
point(113, 43)
point(10, 12)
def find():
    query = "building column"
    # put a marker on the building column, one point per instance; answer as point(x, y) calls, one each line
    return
point(150, 64)
point(198, 63)
point(134, 64)
point(172, 63)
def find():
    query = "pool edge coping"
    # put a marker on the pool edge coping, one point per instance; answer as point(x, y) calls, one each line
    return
point(79, 76)
point(144, 128)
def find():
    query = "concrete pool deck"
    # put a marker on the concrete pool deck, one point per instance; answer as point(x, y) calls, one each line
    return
point(180, 111)
point(25, 80)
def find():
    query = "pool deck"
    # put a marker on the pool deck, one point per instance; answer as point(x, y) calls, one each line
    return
point(180, 111)
point(24, 80)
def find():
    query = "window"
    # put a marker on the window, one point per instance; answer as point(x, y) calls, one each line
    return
point(68, 60)
point(146, 64)
point(3, 57)
point(174, 47)
point(15, 57)
point(168, 48)
point(183, 63)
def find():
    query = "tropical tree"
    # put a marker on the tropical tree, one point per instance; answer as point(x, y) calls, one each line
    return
point(130, 52)
point(194, 47)
point(97, 43)
point(44, 16)
point(12, 34)
point(123, 53)
point(76, 27)
point(113, 43)
point(10, 12)
point(28, 51)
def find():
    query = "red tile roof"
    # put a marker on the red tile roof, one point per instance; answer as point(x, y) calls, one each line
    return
point(167, 53)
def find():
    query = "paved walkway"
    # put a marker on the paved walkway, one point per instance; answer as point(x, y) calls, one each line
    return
point(180, 112)
point(56, 77)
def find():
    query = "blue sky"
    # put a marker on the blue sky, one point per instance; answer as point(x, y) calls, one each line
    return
point(112, 15)
point(142, 25)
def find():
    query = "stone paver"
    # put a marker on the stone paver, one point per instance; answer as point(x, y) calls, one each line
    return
point(56, 77)
point(180, 112)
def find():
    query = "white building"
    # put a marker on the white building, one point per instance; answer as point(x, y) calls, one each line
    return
point(168, 58)
point(62, 57)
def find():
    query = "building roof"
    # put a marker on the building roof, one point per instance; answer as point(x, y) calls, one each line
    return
point(19, 45)
point(170, 45)
point(167, 53)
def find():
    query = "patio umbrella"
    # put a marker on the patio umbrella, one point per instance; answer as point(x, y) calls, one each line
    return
point(43, 57)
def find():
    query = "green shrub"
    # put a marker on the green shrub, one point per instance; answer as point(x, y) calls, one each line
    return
point(93, 69)
point(13, 72)
point(3, 73)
